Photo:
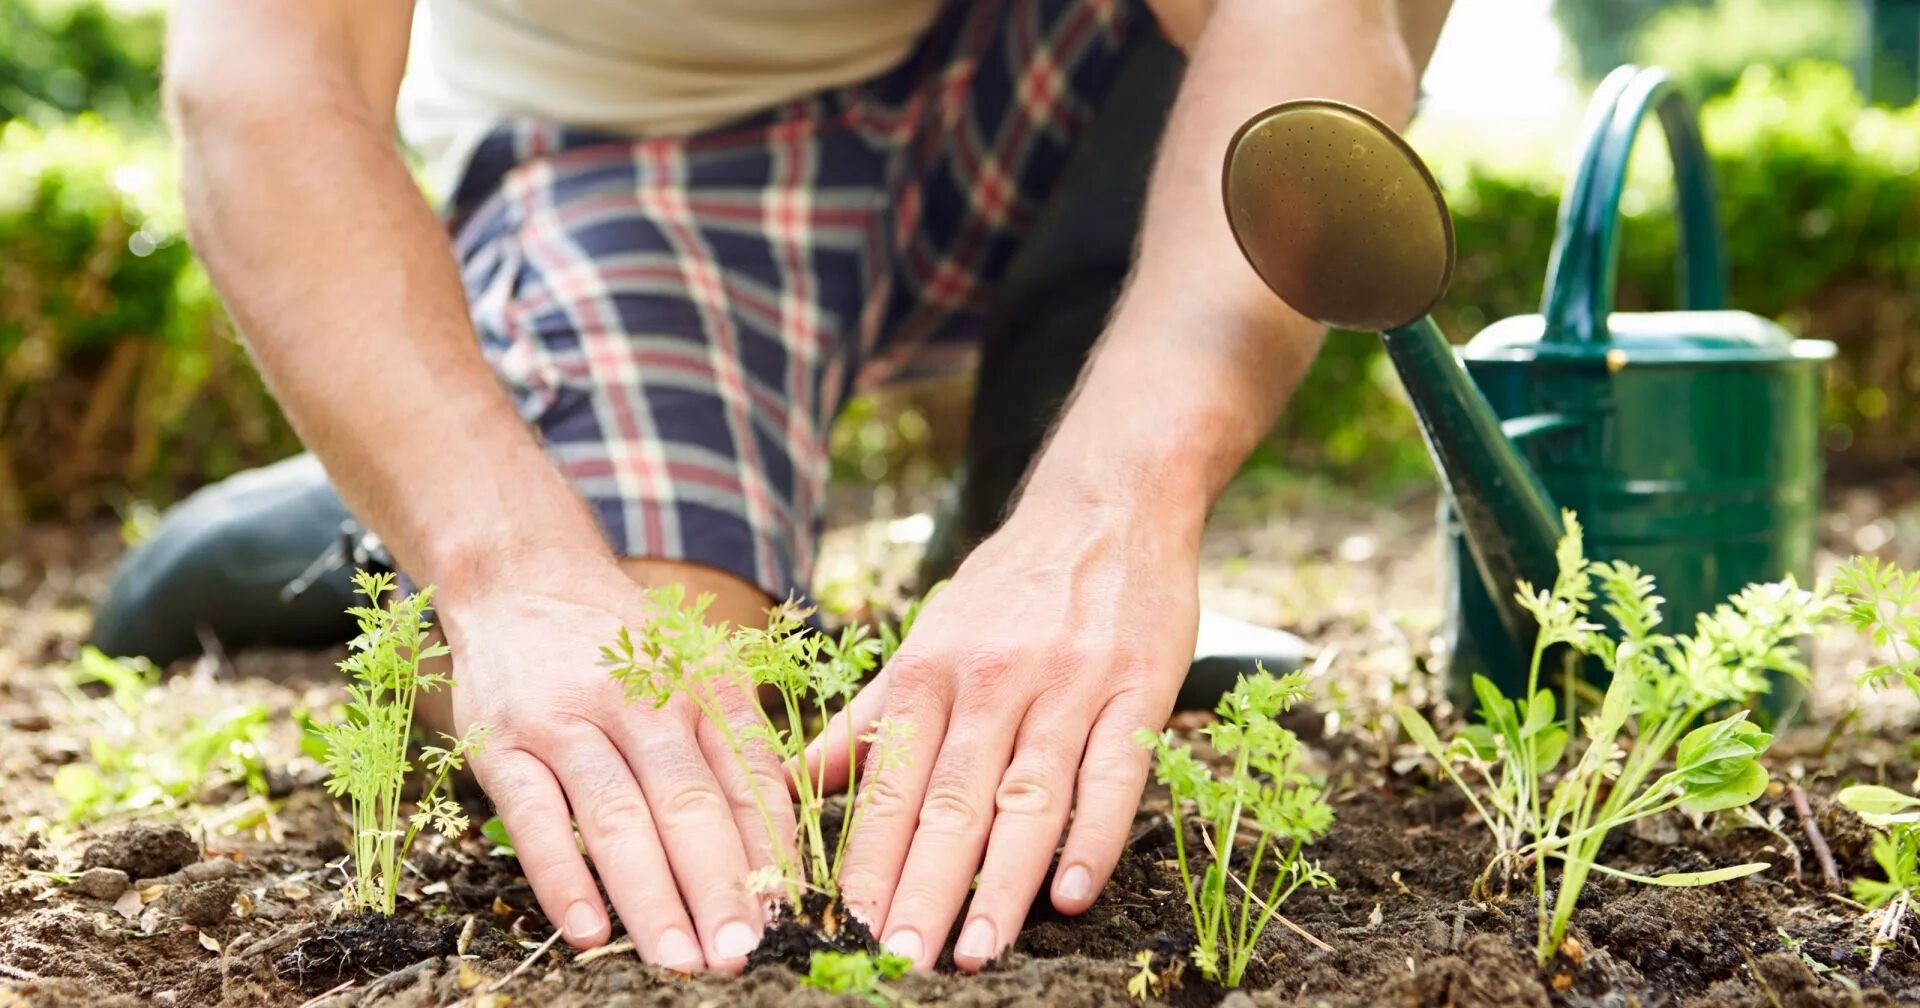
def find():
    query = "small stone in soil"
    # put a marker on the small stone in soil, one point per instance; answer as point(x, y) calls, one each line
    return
point(100, 883)
point(143, 851)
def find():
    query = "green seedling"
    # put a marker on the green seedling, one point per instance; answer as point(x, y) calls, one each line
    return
point(1264, 784)
point(146, 752)
point(366, 753)
point(1881, 600)
point(677, 653)
point(860, 974)
point(1661, 686)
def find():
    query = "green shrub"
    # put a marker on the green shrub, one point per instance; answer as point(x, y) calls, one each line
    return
point(118, 370)
point(67, 56)
point(1709, 47)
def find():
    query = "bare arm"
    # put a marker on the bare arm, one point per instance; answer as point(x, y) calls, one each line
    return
point(342, 280)
point(347, 291)
point(1071, 627)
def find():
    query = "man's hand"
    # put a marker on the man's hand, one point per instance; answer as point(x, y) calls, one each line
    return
point(1025, 679)
point(662, 803)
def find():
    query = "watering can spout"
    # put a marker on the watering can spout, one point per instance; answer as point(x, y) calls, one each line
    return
point(1344, 222)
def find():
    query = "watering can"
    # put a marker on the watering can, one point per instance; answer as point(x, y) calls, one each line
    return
point(1687, 441)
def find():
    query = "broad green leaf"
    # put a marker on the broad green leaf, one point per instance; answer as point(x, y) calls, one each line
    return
point(1880, 806)
point(1549, 744)
point(1477, 742)
point(1719, 751)
point(1732, 792)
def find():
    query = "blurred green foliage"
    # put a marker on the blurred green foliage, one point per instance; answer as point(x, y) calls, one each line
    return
point(119, 373)
point(1820, 201)
point(62, 57)
point(1708, 48)
point(1600, 33)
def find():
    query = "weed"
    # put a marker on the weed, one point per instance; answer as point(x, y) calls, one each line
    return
point(678, 653)
point(1266, 784)
point(366, 752)
point(146, 752)
point(1660, 686)
point(861, 974)
point(1881, 601)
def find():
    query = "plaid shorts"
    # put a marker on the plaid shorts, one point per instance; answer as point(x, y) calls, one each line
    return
point(681, 318)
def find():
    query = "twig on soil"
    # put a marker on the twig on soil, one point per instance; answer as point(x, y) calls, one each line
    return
point(517, 970)
point(1815, 838)
point(274, 942)
point(1262, 904)
point(324, 995)
point(620, 947)
point(17, 973)
point(1765, 987)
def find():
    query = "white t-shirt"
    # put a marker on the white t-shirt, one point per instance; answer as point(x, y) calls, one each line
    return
point(636, 67)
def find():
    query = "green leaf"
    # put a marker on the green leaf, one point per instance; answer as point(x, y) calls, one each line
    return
point(1733, 792)
point(1880, 806)
point(1688, 879)
point(1420, 730)
point(1718, 752)
point(496, 833)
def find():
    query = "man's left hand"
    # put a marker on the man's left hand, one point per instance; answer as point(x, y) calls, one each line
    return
point(1025, 680)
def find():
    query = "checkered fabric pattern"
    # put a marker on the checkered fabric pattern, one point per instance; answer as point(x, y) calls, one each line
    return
point(682, 318)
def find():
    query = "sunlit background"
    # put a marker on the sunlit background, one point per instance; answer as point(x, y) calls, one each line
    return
point(121, 386)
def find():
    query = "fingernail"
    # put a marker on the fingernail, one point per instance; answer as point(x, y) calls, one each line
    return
point(734, 941)
point(906, 945)
point(678, 952)
point(1076, 884)
point(582, 921)
point(977, 940)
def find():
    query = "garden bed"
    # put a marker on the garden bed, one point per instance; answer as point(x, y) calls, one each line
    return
point(240, 917)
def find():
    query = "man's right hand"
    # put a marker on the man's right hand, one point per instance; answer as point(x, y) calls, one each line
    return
point(662, 803)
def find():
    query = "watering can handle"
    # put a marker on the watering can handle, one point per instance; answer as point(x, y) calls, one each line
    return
point(1580, 274)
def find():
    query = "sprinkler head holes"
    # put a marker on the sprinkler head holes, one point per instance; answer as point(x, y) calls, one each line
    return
point(1338, 215)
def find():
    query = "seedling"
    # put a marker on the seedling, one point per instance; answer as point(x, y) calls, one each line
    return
point(678, 653)
point(366, 752)
point(1881, 601)
point(146, 750)
point(1660, 686)
point(1286, 807)
point(861, 974)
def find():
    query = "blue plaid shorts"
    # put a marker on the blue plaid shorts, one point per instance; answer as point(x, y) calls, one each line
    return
point(681, 318)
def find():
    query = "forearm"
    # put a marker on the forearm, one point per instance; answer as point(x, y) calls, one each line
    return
point(1200, 355)
point(347, 292)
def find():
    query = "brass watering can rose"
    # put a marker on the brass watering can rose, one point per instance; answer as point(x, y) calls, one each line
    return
point(1338, 215)
point(1343, 220)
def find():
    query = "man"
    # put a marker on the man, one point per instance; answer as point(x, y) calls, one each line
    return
point(682, 229)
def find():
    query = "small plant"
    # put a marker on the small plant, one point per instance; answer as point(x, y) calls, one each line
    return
point(1660, 687)
point(1145, 982)
point(861, 974)
point(148, 750)
point(678, 653)
point(366, 752)
point(1881, 601)
point(1266, 784)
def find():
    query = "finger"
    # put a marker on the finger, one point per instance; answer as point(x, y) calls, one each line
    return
point(532, 808)
point(696, 827)
point(620, 836)
point(757, 793)
point(887, 805)
point(956, 815)
point(833, 751)
point(1112, 775)
point(1030, 813)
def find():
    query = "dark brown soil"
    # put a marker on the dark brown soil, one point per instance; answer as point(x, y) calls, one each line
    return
point(235, 918)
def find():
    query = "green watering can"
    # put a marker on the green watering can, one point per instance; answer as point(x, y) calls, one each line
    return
point(1687, 441)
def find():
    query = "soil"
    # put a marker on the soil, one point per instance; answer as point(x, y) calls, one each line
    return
point(208, 915)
